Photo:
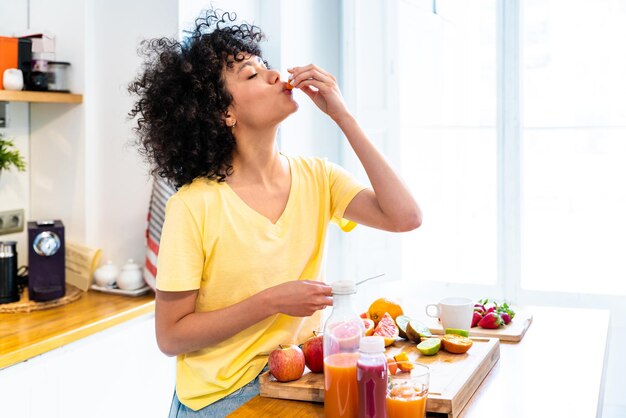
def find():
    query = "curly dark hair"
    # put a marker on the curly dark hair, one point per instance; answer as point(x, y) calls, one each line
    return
point(183, 100)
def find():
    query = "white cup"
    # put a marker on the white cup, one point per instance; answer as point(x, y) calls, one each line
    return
point(455, 312)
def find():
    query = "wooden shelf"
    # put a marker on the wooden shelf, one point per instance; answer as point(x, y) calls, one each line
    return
point(39, 97)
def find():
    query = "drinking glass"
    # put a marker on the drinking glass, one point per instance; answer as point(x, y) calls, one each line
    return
point(407, 391)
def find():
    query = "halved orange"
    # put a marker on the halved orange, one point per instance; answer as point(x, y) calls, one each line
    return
point(456, 344)
point(387, 329)
point(369, 326)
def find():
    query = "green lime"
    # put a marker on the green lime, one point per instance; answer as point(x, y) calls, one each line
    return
point(430, 346)
point(456, 331)
point(415, 331)
point(402, 321)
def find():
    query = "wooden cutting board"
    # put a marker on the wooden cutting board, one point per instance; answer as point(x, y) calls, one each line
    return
point(513, 332)
point(454, 377)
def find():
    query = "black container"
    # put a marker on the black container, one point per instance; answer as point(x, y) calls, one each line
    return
point(25, 58)
point(8, 272)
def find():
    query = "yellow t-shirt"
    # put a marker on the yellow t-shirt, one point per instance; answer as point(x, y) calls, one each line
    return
point(214, 242)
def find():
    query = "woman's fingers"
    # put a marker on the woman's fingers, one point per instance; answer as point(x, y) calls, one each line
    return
point(311, 73)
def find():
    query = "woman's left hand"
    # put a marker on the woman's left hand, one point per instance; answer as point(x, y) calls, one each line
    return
point(321, 87)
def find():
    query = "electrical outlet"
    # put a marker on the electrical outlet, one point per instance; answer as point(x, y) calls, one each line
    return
point(11, 221)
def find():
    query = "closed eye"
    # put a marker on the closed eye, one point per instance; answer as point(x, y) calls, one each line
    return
point(252, 76)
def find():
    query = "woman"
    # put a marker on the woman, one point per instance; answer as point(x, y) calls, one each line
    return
point(241, 251)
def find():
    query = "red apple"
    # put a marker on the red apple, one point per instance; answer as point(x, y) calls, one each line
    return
point(286, 363)
point(313, 350)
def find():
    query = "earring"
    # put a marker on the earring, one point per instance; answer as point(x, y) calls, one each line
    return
point(233, 125)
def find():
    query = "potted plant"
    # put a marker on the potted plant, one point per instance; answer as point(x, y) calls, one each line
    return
point(9, 156)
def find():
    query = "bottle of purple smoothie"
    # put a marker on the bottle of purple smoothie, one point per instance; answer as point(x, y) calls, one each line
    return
point(371, 374)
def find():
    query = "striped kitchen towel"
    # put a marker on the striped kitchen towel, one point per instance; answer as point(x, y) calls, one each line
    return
point(161, 192)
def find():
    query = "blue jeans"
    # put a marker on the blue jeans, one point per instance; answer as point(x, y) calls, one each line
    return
point(217, 409)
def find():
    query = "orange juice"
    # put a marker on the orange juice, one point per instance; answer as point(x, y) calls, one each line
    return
point(406, 407)
point(340, 386)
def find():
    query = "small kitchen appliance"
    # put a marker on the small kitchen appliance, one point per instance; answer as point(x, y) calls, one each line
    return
point(46, 260)
point(8, 272)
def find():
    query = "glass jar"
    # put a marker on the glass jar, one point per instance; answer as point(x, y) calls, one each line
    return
point(342, 334)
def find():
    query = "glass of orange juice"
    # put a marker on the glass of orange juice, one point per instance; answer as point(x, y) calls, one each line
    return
point(407, 391)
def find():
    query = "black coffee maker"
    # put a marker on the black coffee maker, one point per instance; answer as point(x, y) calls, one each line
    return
point(46, 260)
point(8, 272)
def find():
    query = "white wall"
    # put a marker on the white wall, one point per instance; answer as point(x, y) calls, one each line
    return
point(13, 184)
point(80, 167)
point(117, 183)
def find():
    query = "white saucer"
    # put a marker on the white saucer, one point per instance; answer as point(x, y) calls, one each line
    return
point(118, 291)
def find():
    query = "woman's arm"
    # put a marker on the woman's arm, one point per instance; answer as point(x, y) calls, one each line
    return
point(389, 206)
point(179, 329)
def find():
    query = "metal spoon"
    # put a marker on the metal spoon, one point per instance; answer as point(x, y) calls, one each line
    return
point(370, 278)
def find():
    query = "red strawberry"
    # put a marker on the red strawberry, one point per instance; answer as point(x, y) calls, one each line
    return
point(491, 321)
point(476, 318)
point(492, 309)
point(505, 317)
point(479, 308)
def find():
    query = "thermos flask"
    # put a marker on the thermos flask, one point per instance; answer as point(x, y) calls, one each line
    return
point(8, 272)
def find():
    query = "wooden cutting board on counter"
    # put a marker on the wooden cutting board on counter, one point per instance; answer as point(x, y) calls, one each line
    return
point(453, 377)
point(513, 332)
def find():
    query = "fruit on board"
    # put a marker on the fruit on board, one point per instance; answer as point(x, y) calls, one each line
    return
point(415, 331)
point(491, 320)
point(381, 305)
point(402, 321)
point(480, 308)
point(456, 344)
point(387, 328)
point(286, 363)
point(392, 366)
point(430, 346)
point(502, 309)
point(463, 332)
point(403, 362)
point(313, 350)
point(368, 324)
point(476, 318)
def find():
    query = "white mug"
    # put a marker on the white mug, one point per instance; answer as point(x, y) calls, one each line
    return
point(454, 312)
point(13, 79)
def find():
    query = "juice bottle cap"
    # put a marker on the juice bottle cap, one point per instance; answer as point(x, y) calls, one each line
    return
point(344, 287)
point(372, 344)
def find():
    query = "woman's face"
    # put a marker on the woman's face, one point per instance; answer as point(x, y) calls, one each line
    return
point(260, 98)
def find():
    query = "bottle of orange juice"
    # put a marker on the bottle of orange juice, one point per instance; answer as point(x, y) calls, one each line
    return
point(342, 334)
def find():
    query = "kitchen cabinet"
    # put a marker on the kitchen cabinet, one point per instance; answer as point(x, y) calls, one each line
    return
point(95, 357)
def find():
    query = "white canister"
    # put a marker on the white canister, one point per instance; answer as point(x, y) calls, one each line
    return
point(131, 276)
point(13, 79)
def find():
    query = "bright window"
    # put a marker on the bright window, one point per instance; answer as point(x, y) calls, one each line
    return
point(447, 77)
point(574, 146)
point(566, 130)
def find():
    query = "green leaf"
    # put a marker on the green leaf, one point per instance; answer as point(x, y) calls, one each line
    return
point(10, 157)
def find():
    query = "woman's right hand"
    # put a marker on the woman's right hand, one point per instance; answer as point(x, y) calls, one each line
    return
point(301, 297)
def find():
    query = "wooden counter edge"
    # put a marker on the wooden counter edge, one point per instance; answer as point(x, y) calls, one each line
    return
point(76, 334)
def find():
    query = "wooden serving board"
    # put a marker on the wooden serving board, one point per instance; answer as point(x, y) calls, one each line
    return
point(453, 377)
point(513, 332)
